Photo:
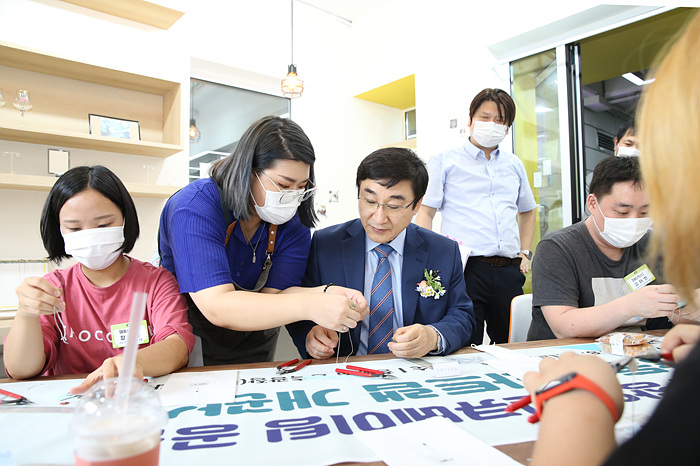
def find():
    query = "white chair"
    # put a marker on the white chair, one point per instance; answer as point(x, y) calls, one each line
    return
point(520, 318)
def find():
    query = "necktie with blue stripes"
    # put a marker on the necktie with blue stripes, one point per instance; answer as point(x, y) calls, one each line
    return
point(381, 322)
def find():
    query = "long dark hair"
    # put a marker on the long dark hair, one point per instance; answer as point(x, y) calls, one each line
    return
point(266, 141)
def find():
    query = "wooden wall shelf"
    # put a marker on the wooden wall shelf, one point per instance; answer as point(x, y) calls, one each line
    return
point(87, 141)
point(45, 183)
point(135, 10)
point(83, 141)
point(66, 91)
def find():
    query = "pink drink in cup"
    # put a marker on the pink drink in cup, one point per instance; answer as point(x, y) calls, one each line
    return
point(113, 433)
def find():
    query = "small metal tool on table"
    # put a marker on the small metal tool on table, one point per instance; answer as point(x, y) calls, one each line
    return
point(289, 366)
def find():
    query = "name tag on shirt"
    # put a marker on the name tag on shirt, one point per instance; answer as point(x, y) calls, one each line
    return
point(640, 278)
point(120, 332)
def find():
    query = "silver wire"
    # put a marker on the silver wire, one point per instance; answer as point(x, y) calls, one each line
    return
point(58, 320)
point(352, 348)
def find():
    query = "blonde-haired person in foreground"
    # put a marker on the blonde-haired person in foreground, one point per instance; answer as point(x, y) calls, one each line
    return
point(576, 426)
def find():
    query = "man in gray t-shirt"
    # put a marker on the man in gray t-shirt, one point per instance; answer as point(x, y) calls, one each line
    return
point(590, 278)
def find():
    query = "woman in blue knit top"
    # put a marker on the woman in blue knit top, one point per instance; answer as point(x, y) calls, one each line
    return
point(238, 243)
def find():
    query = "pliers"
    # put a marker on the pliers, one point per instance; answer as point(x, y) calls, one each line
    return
point(364, 372)
point(12, 398)
point(289, 367)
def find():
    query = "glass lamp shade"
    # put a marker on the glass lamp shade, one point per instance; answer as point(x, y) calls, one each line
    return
point(195, 133)
point(292, 86)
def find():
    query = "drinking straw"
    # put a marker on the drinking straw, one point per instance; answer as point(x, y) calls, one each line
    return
point(138, 306)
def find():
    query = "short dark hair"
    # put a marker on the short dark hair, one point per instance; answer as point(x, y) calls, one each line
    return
point(504, 102)
point(613, 170)
point(623, 129)
point(393, 165)
point(266, 141)
point(77, 180)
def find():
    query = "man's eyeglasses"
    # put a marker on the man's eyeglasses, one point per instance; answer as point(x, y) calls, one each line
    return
point(372, 206)
point(291, 195)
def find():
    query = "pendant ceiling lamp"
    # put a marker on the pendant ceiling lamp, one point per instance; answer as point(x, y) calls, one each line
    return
point(292, 86)
point(195, 133)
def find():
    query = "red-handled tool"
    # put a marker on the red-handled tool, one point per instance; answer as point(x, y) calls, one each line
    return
point(288, 367)
point(364, 372)
point(12, 398)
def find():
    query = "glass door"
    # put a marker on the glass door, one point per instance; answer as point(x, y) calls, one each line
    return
point(544, 132)
point(219, 115)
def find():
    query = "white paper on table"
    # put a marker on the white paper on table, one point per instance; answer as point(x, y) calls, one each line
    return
point(432, 441)
point(512, 362)
point(446, 368)
point(183, 388)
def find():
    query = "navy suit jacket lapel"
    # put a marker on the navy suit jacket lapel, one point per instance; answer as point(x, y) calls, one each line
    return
point(415, 260)
point(352, 255)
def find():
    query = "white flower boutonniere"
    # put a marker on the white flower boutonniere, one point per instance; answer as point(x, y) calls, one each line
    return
point(431, 286)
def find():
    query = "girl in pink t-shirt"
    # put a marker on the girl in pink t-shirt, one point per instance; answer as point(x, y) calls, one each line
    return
point(69, 321)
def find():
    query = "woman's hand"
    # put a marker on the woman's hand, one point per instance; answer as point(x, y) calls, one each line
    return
point(576, 428)
point(110, 368)
point(591, 367)
point(361, 303)
point(37, 296)
point(679, 341)
point(338, 309)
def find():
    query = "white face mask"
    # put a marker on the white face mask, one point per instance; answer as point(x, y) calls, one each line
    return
point(488, 133)
point(274, 211)
point(96, 248)
point(624, 151)
point(623, 232)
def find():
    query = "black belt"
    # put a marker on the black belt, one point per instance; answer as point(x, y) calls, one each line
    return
point(497, 261)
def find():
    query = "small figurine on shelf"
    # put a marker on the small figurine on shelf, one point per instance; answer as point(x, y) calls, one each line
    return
point(2, 98)
point(22, 102)
point(149, 169)
point(12, 156)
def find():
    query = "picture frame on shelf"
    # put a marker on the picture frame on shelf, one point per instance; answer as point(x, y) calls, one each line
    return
point(111, 127)
point(59, 161)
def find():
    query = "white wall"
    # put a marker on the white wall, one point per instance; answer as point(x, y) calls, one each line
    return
point(442, 42)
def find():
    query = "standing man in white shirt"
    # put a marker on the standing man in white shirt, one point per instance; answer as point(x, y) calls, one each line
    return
point(487, 206)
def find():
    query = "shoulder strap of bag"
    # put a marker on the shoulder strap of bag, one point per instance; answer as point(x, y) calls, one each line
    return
point(272, 239)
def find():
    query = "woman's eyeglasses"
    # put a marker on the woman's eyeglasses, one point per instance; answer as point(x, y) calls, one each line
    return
point(291, 195)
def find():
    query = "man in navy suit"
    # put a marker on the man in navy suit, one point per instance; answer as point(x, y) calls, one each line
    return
point(391, 183)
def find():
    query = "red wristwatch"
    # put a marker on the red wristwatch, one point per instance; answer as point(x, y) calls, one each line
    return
point(573, 381)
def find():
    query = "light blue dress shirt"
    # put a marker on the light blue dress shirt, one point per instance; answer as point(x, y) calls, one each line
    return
point(396, 263)
point(479, 198)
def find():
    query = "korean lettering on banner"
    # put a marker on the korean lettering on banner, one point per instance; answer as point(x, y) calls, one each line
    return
point(274, 412)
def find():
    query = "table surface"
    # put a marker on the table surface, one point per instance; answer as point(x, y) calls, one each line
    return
point(521, 452)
